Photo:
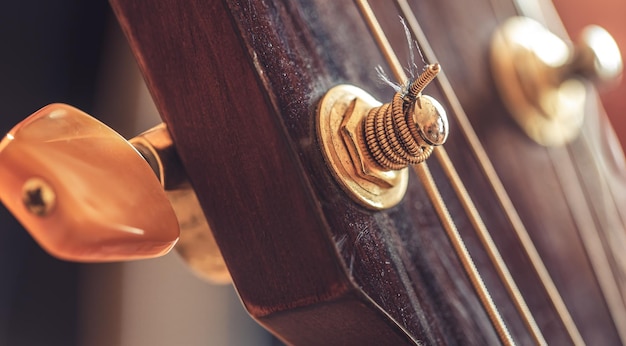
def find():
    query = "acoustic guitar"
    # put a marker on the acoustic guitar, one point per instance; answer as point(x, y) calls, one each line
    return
point(501, 236)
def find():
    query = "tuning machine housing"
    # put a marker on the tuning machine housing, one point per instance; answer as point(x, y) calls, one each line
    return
point(368, 145)
point(542, 78)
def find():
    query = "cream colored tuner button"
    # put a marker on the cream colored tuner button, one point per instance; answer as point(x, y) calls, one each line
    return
point(541, 77)
point(86, 194)
point(82, 191)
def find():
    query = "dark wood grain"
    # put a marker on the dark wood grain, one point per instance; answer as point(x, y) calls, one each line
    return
point(238, 82)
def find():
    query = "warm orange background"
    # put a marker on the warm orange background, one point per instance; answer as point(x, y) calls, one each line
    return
point(610, 14)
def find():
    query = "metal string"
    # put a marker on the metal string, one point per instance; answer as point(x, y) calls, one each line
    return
point(498, 188)
point(432, 190)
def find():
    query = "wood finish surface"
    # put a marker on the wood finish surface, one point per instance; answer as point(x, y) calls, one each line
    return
point(237, 82)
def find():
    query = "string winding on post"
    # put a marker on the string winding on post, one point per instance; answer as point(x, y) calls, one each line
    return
point(404, 131)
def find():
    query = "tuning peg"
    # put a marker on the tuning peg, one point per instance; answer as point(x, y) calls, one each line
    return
point(82, 191)
point(86, 194)
point(597, 57)
point(542, 78)
point(368, 145)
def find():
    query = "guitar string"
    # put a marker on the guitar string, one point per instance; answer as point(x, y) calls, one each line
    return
point(498, 187)
point(469, 207)
point(612, 290)
point(496, 183)
point(612, 247)
point(461, 191)
point(430, 186)
point(492, 250)
point(598, 258)
point(606, 273)
point(589, 224)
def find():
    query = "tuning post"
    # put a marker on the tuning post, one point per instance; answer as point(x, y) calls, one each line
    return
point(542, 78)
point(369, 145)
point(196, 244)
point(404, 131)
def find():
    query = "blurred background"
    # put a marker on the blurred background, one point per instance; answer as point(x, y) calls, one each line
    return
point(609, 14)
point(72, 51)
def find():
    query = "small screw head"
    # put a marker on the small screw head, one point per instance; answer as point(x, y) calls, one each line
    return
point(38, 197)
point(431, 120)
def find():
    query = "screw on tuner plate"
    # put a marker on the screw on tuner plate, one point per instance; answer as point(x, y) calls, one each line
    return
point(85, 194)
point(368, 145)
point(542, 78)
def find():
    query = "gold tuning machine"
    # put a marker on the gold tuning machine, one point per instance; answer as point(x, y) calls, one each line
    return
point(542, 78)
point(85, 194)
point(196, 244)
point(368, 145)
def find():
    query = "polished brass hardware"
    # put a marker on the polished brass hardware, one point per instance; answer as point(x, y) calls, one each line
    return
point(541, 77)
point(157, 148)
point(368, 145)
point(196, 244)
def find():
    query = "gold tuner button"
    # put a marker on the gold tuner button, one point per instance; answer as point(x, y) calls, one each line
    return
point(85, 194)
point(598, 57)
point(541, 77)
point(368, 145)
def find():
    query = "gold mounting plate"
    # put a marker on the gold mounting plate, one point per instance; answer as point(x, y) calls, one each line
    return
point(339, 127)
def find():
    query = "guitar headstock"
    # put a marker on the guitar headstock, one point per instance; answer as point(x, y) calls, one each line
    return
point(487, 239)
point(255, 85)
